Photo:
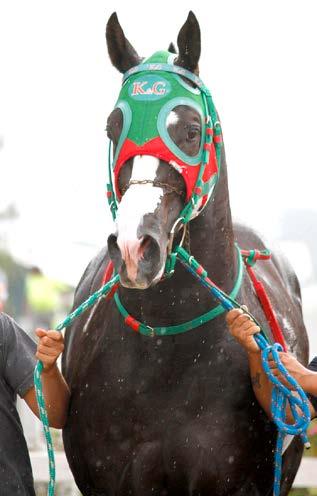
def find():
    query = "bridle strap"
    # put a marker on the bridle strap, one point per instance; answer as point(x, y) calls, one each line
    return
point(165, 68)
point(171, 330)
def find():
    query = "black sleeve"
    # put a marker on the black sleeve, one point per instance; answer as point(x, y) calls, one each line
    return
point(19, 360)
point(313, 399)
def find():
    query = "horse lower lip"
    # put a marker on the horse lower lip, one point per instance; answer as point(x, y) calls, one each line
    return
point(131, 285)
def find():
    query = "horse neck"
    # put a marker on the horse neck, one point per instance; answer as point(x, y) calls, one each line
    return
point(181, 297)
point(212, 238)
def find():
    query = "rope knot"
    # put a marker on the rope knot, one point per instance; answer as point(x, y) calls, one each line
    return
point(251, 256)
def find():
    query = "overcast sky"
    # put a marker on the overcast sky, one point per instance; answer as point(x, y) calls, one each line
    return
point(57, 87)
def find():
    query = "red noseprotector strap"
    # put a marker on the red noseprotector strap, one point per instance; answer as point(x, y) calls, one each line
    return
point(157, 148)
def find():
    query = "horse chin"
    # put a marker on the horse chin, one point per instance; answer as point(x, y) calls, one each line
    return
point(127, 283)
point(141, 282)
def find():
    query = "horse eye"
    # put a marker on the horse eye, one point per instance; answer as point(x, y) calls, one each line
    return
point(193, 132)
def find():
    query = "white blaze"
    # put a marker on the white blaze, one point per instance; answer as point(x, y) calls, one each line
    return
point(139, 199)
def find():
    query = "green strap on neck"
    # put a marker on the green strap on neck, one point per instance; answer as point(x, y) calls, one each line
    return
point(191, 324)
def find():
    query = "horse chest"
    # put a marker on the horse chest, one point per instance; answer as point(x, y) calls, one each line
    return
point(206, 446)
point(159, 408)
point(164, 394)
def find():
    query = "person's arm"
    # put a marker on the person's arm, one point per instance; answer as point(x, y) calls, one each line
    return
point(243, 329)
point(55, 389)
point(309, 382)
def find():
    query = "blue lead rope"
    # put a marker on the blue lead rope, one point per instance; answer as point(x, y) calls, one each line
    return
point(281, 394)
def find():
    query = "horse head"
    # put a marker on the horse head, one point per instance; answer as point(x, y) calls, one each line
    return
point(156, 130)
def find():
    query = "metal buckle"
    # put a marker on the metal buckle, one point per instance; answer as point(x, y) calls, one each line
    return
point(172, 234)
point(152, 331)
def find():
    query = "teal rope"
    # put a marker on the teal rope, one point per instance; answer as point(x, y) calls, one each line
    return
point(280, 393)
point(112, 200)
point(38, 382)
point(227, 302)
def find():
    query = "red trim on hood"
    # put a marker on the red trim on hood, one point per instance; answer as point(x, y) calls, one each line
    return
point(157, 148)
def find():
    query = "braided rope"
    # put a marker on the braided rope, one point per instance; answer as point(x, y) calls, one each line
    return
point(102, 292)
point(281, 395)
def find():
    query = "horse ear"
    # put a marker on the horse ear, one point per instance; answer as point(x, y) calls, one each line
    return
point(189, 45)
point(171, 48)
point(122, 54)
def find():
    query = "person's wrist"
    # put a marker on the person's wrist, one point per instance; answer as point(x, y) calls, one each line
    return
point(50, 370)
point(254, 354)
point(308, 382)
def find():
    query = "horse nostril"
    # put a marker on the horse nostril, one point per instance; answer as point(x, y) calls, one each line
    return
point(149, 249)
point(114, 250)
point(144, 247)
point(112, 242)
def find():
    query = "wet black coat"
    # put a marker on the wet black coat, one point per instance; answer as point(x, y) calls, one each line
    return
point(176, 415)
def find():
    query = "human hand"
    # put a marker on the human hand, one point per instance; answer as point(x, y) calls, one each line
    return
point(49, 348)
point(243, 329)
point(300, 373)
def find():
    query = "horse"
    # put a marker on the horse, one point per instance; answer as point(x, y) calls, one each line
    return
point(174, 414)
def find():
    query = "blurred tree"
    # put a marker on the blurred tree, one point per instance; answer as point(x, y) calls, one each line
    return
point(9, 213)
point(43, 296)
point(16, 284)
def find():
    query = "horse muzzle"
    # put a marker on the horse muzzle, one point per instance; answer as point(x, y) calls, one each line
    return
point(138, 262)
